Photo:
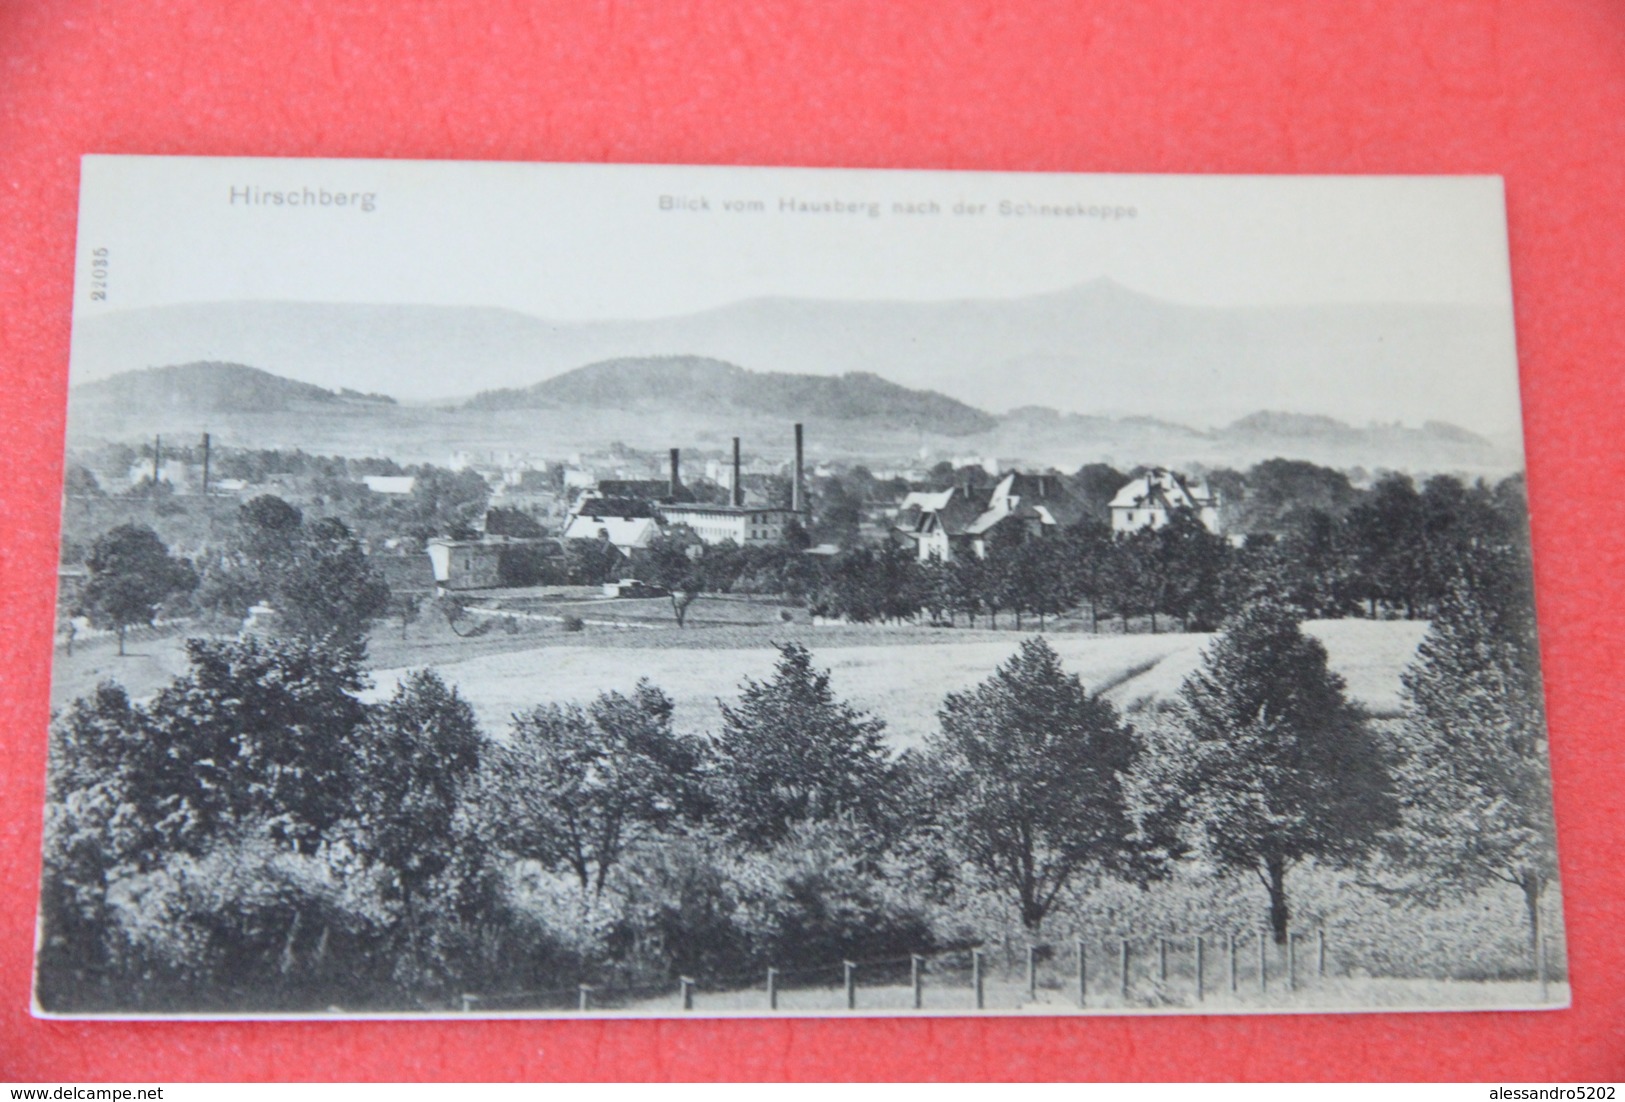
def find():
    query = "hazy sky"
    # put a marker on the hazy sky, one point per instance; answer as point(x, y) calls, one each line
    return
point(577, 242)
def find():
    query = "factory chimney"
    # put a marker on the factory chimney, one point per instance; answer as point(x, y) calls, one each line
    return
point(205, 464)
point(738, 490)
point(796, 491)
point(676, 478)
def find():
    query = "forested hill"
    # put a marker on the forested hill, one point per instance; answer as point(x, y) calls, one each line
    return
point(704, 385)
point(210, 387)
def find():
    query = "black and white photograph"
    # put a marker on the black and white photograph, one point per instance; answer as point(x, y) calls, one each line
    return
point(495, 589)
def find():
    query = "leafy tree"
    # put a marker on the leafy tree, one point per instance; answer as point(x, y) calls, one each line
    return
point(500, 521)
point(91, 840)
point(936, 589)
point(331, 592)
point(836, 511)
point(1314, 565)
point(1187, 564)
point(722, 565)
point(1475, 779)
point(255, 732)
point(673, 563)
point(899, 583)
point(866, 584)
point(1130, 575)
point(1283, 766)
point(131, 574)
point(1278, 489)
point(1086, 556)
point(249, 752)
point(445, 502)
point(415, 756)
point(1036, 765)
point(591, 561)
point(966, 584)
point(575, 787)
point(1095, 484)
point(790, 752)
point(315, 574)
point(1389, 543)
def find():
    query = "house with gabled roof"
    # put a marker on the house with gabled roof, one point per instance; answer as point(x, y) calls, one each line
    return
point(956, 522)
point(1152, 498)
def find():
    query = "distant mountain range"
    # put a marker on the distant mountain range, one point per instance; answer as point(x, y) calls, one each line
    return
point(1096, 348)
point(696, 401)
point(210, 387)
point(705, 385)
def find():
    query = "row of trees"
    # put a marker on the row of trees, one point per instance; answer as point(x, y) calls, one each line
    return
point(1397, 551)
point(314, 574)
point(258, 836)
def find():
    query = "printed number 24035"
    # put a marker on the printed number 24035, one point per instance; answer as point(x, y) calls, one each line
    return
point(98, 275)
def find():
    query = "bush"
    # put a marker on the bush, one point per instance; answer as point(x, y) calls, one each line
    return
point(814, 899)
point(573, 623)
point(786, 616)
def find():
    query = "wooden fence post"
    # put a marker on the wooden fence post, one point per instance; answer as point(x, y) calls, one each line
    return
point(1291, 960)
point(1124, 966)
point(1263, 969)
point(583, 997)
point(1201, 944)
point(916, 968)
point(685, 988)
point(1083, 974)
point(1032, 973)
point(772, 988)
point(1230, 948)
point(976, 975)
point(1320, 952)
point(1162, 959)
point(847, 970)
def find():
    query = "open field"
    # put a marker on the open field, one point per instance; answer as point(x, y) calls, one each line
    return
point(898, 672)
point(904, 685)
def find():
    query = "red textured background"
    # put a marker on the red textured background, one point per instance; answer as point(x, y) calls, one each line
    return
point(1531, 89)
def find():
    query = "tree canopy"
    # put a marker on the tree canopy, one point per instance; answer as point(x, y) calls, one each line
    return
point(573, 787)
point(131, 574)
point(1475, 777)
point(1036, 767)
point(1284, 767)
point(789, 751)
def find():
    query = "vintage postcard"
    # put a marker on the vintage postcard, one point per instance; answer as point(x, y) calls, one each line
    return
point(511, 589)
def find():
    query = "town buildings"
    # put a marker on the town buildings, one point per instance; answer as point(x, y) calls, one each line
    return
point(1151, 499)
point(957, 522)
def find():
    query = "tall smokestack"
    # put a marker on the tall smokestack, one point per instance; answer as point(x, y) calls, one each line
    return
point(795, 483)
point(205, 464)
point(157, 460)
point(738, 490)
point(676, 478)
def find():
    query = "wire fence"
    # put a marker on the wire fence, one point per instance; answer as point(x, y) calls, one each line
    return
point(1127, 972)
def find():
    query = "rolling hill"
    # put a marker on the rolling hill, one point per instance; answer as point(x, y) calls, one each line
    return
point(209, 387)
point(1094, 348)
point(705, 385)
point(655, 402)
